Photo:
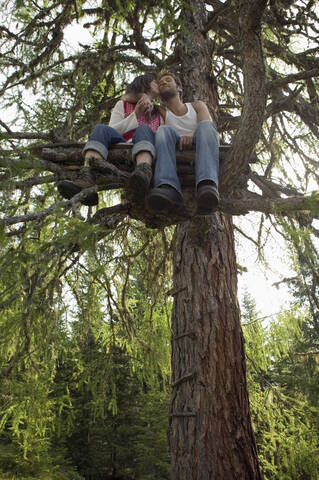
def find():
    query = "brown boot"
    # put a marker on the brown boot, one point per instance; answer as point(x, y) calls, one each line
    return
point(140, 180)
point(207, 198)
point(165, 199)
point(68, 189)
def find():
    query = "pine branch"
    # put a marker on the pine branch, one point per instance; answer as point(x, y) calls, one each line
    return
point(30, 182)
point(53, 209)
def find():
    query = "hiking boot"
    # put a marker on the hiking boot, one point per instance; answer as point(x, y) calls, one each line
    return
point(165, 199)
point(207, 198)
point(140, 179)
point(68, 189)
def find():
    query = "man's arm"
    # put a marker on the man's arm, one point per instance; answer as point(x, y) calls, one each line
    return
point(202, 111)
point(186, 141)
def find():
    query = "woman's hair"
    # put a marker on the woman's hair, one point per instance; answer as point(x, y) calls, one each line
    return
point(140, 84)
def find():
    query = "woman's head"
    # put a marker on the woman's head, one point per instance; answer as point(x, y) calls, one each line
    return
point(142, 84)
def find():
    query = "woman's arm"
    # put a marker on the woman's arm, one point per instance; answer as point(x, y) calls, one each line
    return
point(119, 122)
point(122, 124)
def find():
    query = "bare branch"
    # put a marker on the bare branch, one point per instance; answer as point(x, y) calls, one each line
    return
point(294, 77)
point(275, 206)
point(255, 93)
point(246, 236)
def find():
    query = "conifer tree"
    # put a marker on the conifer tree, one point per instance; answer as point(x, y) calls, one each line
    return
point(263, 57)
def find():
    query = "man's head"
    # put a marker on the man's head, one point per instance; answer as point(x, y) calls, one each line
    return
point(169, 85)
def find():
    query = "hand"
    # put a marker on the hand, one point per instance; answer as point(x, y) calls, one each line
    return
point(148, 111)
point(186, 141)
point(144, 106)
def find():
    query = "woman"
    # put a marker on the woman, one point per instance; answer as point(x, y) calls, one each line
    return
point(134, 122)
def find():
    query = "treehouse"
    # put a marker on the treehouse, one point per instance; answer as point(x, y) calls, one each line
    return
point(66, 160)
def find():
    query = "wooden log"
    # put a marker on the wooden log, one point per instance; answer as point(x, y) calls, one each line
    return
point(119, 154)
point(116, 170)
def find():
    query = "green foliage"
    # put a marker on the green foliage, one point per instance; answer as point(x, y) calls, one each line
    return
point(313, 202)
point(84, 362)
point(119, 423)
point(285, 422)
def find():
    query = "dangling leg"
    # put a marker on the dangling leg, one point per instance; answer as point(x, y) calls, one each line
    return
point(101, 138)
point(97, 147)
point(167, 192)
point(143, 154)
point(206, 167)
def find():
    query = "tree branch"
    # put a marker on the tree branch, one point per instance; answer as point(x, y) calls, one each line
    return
point(254, 93)
point(275, 206)
point(294, 77)
point(30, 182)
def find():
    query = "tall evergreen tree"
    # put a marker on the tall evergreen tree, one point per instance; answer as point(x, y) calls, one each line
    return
point(267, 84)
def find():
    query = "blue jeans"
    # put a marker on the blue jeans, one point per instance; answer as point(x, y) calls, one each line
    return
point(207, 154)
point(103, 136)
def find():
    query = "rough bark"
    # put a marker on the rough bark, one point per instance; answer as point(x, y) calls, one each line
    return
point(211, 435)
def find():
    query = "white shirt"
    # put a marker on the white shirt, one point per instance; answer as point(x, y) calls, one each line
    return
point(182, 124)
point(119, 123)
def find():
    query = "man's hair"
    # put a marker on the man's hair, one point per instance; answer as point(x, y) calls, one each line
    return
point(140, 84)
point(162, 73)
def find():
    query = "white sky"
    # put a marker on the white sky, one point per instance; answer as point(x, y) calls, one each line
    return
point(260, 278)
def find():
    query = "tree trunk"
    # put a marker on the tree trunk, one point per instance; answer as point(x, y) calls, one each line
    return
point(211, 435)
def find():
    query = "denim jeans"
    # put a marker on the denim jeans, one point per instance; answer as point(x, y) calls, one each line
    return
point(206, 160)
point(103, 136)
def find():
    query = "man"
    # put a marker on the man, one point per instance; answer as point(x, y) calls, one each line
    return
point(186, 124)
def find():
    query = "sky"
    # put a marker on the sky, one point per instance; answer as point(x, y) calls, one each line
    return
point(260, 279)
